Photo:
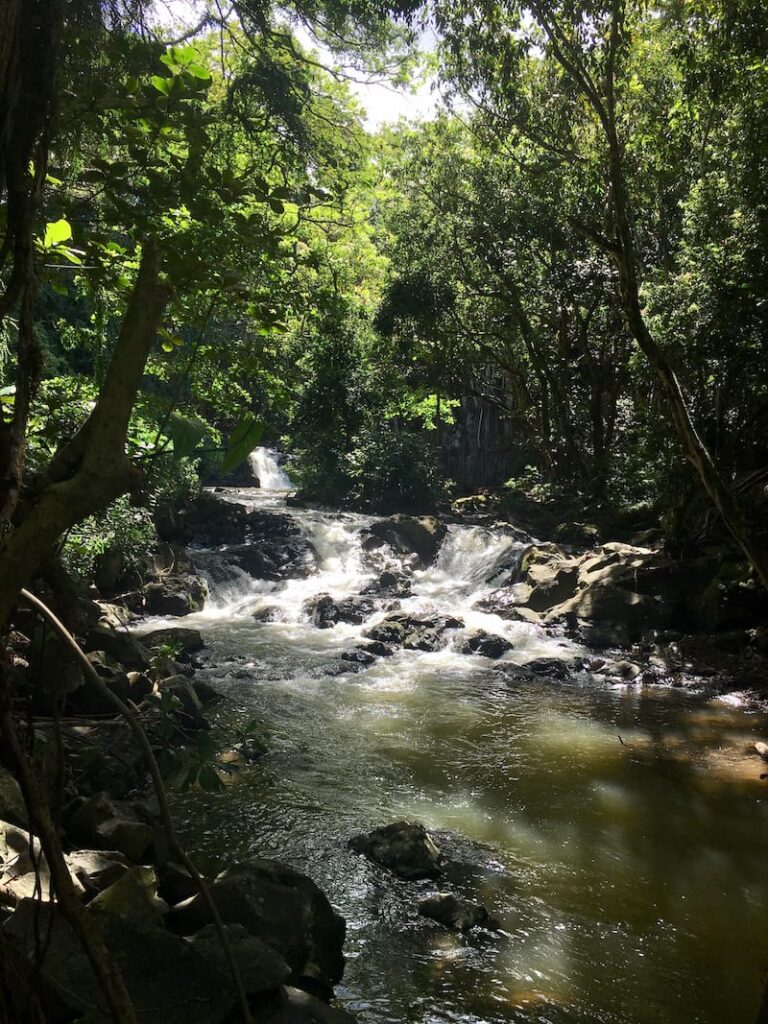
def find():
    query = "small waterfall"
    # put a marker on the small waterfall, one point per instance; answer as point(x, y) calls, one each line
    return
point(266, 469)
point(470, 558)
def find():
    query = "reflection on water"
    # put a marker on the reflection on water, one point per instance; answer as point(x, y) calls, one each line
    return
point(621, 836)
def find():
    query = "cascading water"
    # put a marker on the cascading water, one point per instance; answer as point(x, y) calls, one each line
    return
point(267, 470)
point(621, 870)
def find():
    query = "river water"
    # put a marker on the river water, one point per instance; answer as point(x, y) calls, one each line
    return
point(620, 835)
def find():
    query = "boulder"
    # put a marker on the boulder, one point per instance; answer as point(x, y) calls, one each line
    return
point(554, 668)
point(419, 535)
point(377, 648)
point(355, 610)
point(133, 896)
point(96, 870)
point(261, 967)
point(205, 520)
point(167, 980)
point(359, 657)
point(455, 912)
point(282, 907)
point(175, 596)
point(12, 806)
point(272, 613)
point(391, 583)
point(106, 825)
point(322, 611)
point(290, 1005)
point(580, 535)
point(405, 848)
point(186, 641)
point(489, 645)
point(104, 757)
point(413, 632)
point(175, 883)
point(119, 644)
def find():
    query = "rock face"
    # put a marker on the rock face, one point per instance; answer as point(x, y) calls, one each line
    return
point(418, 535)
point(489, 645)
point(455, 912)
point(405, 847)
point(283, 908)
point(617, 594)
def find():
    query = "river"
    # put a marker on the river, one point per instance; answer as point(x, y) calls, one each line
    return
point(619, 834)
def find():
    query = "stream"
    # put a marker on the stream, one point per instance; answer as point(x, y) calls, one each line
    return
point(618, 833)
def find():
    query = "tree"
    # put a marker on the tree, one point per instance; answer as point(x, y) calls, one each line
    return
point(590, 56)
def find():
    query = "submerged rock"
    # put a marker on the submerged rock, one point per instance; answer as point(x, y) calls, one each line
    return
point(405, 847)
point(555, 668)
point(455, 912)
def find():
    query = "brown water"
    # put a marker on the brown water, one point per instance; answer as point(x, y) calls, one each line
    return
point(619, 835)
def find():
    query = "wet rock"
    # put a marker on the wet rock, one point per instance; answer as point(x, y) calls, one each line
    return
point(206, 693)
point(182, 987)
point(322, 610)
point(489, 645)
point(761, 749)
point(282, 907)
point(377, 648)
point(272, 613)
point(405, 847)
point(624, 670)
point(391, 583)
point(12, 806)
point(554, 668)
point(188, 708)
point(261, 967)
point(413, 632)
point(175, 596)
point(279, 559)
point(359, 657)
point(290, 1005)
point(355, 610)
point(206, 520)
point(455, 912)
point(419, 535)
point(180, 638)
point(505, 601)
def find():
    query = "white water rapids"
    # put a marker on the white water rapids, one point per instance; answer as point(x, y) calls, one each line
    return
point(628, 875)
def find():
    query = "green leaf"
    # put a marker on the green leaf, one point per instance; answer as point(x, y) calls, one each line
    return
point(163, 85)
point(243, 440)
point(8, 395)
point(56, 232)
point(186, 432)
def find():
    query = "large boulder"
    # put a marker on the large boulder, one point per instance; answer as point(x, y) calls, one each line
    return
point(174, 596)
point(119, 644)
point(405, 848)
point(415, 633)
point(261, 967)
point(285, 909)
point(12, 806)
point(418, 535)
point(183, 641)
point(290, 1005)
point(101, 823)
point(169, 982)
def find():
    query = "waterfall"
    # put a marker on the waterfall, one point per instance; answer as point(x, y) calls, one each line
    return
point(266, 469)
point(470, 558)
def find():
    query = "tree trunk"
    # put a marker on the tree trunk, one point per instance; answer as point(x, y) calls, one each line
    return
point(93, 468)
